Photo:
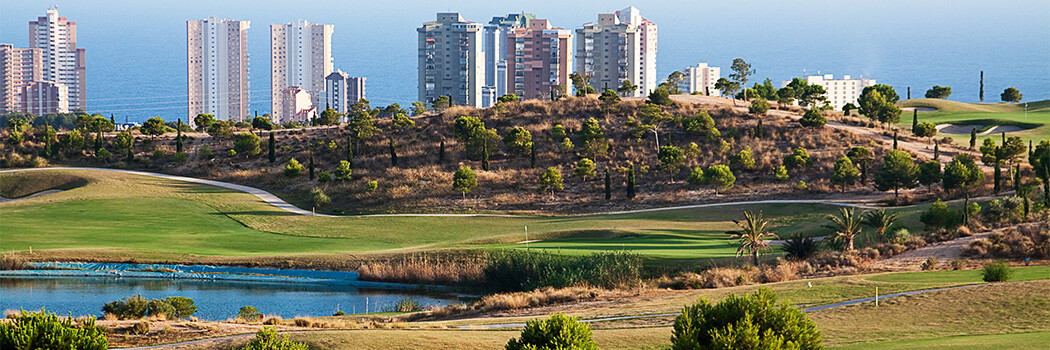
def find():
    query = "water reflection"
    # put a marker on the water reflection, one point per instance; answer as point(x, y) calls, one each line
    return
point(216, 300)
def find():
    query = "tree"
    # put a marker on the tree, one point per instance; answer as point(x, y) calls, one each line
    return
point(925, 129)
point(742, 160)
point(593, 139)
point(262, 123)
point(728, 88)
point(844, 172)
point(929, 173)
point(328, 117)
point(798, 159)
point(343, 171)
point(702, 125)
point(759, 106)
point(1040, 161)
point(862, 156)
point(532, 155)
point(362, 127)
point(660, 97)
point(419, 108)
point(123, 140)
point(753, 234)
point(47, 331)
point(272, 146)
point(464, 180)
point(203, 121)
point(441, 152)
point(178, 139)
point(881, 221)
point(671, 158)
point(845, 226)
point(626, 88)
point(581, 82)
point(518, 141)
point(293, 168)
point(938, 91)
point(1011, 94)
point(812, 96)
point(609, 97)
point(154, 127)
point(485, 158)
point(551, 180)
point(401, 121)
point(878, 102)
point(982, 87)
point(962, 173)
point(508, 98)
point(246, 143)
point(720, 176)
point(741, 71)
point(585, 168)
point(220, 129)
point(441, 103)
point(786, 95)
point(848, 108)
point(753, 321)
point(898, 171)
point(393, 153)
point(671, 84)
point(813, 119)
point(72, 141)
point(556, 332)
point(630, 182)
point(608, 185)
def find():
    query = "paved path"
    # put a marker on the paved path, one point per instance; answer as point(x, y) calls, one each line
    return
point(280, 203)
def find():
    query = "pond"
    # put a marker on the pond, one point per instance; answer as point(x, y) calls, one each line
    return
point(215, 299)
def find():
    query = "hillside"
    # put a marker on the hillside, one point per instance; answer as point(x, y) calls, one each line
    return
point(420, 183)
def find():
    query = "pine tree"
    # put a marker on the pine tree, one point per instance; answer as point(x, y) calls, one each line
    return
point(393, 153)
point(311, 165)
point(441, 152)
point(485, 157)
point(178, 137)
point(532, 156)
point(273, 148)
point(936, 151)
point(895, 140)
point(982, 86)
point(973, 138)
point(608, 185)
point(630, 182)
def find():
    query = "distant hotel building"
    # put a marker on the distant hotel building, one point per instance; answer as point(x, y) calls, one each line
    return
point(342, 90)
point(539, 58)
point(62, 61)
point(700, 79)
point(44, 97)
point(451, 60)
point(839, 92)
point(217, 68)
point(18, 68)
point(297, 105)
point(300, 55)
point(620, 46)
point(495, 48)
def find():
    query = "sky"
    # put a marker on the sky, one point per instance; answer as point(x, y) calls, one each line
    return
point(137, 66)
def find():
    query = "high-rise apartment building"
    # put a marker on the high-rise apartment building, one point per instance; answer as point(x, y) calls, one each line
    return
point(496, 53)
point(451, 60)
point(539, 60)
point(297, 105)
point(44, 97)
point(620, 46)
point(217, 68)
point(300, 55)
point(18, 68)
point(701, 79)
point(839, 92)
point(62, 61)
point(342, 90)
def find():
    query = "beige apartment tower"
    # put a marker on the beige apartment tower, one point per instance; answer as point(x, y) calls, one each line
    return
point(620, 46)
point(62, 61)
point(300, 55)
point(217, 68)
point(451, 60)
point(18, 68)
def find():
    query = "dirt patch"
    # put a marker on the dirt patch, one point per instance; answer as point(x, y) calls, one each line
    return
point(943, 251)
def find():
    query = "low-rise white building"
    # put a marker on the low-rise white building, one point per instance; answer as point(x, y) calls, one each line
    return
point(839, 92)
point(700, 79)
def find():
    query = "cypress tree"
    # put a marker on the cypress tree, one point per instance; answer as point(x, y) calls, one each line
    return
point(131, 151)
point(936, 151)
point(982, 86)
point(273, 148)
point(608, 185)
point(393, 153)
point(998, 176)
point(47, 143)
point(1017, 180)
point(758, 129)
point(311, 165)
point(485, 156)
point(178, 137)
point(441, 152)
point(1030, 153)
point(914, 119)
point(973, 138)
point(909, 92)
point(532, 156)
point(894, 140)
point(350, 151)
point(630, 182)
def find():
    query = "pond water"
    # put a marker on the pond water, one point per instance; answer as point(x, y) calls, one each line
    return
point(216, 300)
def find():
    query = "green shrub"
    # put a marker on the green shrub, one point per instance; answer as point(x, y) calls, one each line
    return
point(179, 157)
point(293, 168)
point(372, 186)
point(406, 305)
point(556, 332)
point(161, 307)
point(319, 198)
point(249, 313)
point(752, 321)
point(324, 176)
point(930, 264)
point(205, 152)
point(247, 143)
point(267, 339)
point(103, 154)
point(231, 153)
point(997, 272)
point(140, 328)
point(343, 172)
point(158, 154)
point(522, 271)
point(940, 216)
point(184, 307)
point(800, 247)
point(133, 307)
point(46, 331)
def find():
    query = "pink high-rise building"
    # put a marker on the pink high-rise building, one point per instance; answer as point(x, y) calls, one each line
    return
point(18, 68)
point(62, 61)
point(44, 97)
point(296, 105)
point(539, 60)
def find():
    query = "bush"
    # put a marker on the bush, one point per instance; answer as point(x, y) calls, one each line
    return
point(522, 271)
point(800, 247)
point(372, 186)
point(249, 313)
point(319, 198)
point(158, 154)
point(184, 307)
point(267, 339)
point(753, 321)
point(406, 305)
point(556, 332)
point(179, 157)
point(43, 330)
point(231, 153)
point(247, 143)
point(324, 176)
point(140, 328)
point(133, 307)
point(343, 172)
point(293, 168)
point(1024, 241)
point(813, 119)
point(136, 307)
point(161, 308)
point(940, 216)
point(205, 152)
point(105, 154)
point(758, 106)
point(930, 264)
point(996, 272)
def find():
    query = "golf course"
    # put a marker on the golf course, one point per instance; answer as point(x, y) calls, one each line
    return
point(1033, 125)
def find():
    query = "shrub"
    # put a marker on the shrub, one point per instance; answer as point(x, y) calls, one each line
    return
point(324, 176)
point(105, 154)
point(140, 328)
point(267, 339)
point(184, 307)
point(940, 216)
point(343, 172)
point(758, 106)
point(520, 271)
point(247, 143)
point(558, 331)
point(179, 157)
point(958, 264)
point(205, 152)
point(158, 154)
point(133, 307)
point(44, 330)
point(249, 313)
point(372, 186)
point(813, 119)
point(231, 153)
point(293, 168)
point(996, 272)
point(319, 198)
point(754, 321)
point(930, 264)
point(800, 247)
point(161, 308)
point(406, 305)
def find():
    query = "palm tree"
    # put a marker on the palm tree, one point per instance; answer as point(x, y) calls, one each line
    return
point(846, 226)
point(880, 220)
point(752, 235)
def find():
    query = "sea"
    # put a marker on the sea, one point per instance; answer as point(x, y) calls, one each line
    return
point(136, 50)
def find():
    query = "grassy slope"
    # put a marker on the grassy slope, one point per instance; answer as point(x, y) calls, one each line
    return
point(121, 211)
point(643, 338)
point(1034, 340)
point(1037, 120)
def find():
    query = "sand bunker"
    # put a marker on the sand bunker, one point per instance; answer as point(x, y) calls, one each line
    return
point(956, 129)
point(920, 109)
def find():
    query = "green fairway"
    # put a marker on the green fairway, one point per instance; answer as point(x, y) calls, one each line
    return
point(131, 212)
point(1034, 340)
point(961, 276)
point(1036, 121)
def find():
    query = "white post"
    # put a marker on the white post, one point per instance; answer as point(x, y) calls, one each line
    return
point(526, 237)
point(876, 296)
point(366, 305)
